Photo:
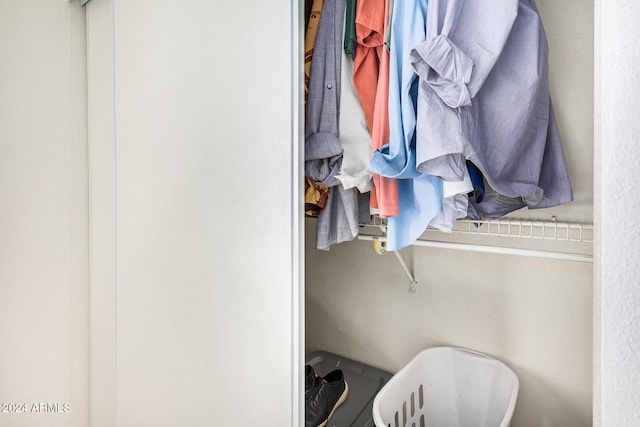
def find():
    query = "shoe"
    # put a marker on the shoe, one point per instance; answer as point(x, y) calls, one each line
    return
point(324, 398)
point(310, 380)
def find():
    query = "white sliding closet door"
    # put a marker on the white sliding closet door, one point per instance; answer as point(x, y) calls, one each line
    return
point(193, 130)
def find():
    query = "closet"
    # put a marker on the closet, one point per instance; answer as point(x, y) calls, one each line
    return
point(206, 289)
point(535, 314)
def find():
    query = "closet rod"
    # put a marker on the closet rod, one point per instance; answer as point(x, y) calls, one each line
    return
point(562, 256)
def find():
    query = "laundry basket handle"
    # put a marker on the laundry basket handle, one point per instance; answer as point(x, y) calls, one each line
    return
point(473, 353)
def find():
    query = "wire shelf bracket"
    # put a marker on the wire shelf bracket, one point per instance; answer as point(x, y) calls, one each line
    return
point(513, 228)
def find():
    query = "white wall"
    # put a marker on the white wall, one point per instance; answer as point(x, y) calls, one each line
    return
point(619, 252)
point(193, 120)
point(535, 315)
point(43, 213)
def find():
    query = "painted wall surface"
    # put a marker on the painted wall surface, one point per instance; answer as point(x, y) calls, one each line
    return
point(535, 315)
point(619, 299)
point(569, 26)
point(202, 119)
point(44, 323)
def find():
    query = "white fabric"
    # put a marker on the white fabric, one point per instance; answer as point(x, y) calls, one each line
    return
point(353, 134)
point(454, 203)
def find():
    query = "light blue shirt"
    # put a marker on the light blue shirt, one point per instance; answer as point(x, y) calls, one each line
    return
point(419, 195)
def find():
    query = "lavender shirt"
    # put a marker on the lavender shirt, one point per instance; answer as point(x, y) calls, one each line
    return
point(485, 92)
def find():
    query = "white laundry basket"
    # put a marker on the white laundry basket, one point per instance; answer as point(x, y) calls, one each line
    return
point(448, 387)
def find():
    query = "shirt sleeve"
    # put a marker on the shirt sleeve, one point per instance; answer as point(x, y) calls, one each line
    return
point(464, 42)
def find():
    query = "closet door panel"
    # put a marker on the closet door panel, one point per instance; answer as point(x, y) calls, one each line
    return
point(204, 214)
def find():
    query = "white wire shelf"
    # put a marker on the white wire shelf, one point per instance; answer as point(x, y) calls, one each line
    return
point(562, 241)
point(514, 228)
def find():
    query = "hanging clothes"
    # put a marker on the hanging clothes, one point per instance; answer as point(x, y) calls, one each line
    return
point(310, 36)
point(419, 195)
point(350, 38)
point(370, 37)
point(387, 30)
point(384, 195)
point(315, 195)
point(484, 77)
point(353, 132)
point(397, 160)
point(455, 204)
point(477, 180)
point(308, 4)
point(338, 221)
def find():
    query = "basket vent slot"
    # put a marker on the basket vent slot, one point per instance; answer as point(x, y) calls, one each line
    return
point(416, 403)
point(413, 404)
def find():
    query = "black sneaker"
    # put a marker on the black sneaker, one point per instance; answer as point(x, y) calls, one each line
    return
point(324, 398)
point(310, 380)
